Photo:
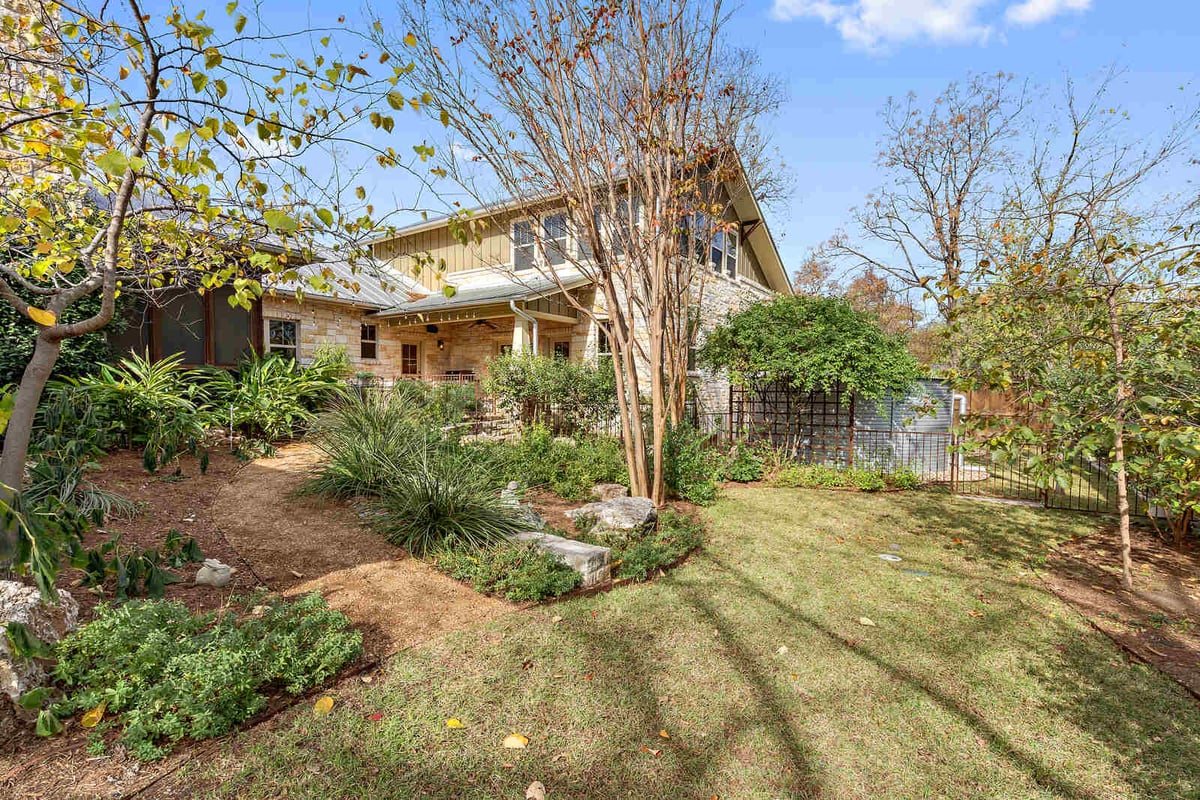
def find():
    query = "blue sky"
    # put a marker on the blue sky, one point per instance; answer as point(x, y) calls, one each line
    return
point(842, 59)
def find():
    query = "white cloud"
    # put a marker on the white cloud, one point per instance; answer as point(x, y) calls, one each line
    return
point(1035, 12)
point(871, 24)
point(876, 24)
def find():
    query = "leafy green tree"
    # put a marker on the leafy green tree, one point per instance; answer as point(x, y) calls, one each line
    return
point(812, 344)
point(156, 149)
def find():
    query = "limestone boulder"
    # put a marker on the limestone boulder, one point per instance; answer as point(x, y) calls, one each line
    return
point(592, 562)
point(617, 518)
point(213, 573)
point(50, 623)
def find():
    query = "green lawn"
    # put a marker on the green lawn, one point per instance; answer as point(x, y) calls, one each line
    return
point(974, 682)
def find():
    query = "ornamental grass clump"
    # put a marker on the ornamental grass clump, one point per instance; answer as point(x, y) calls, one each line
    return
point(447, 500)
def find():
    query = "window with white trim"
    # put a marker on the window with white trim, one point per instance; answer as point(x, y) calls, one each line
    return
point(603, 343)
point(283, 337)
point(557, 238)
point(524, 245)
point(724, 252)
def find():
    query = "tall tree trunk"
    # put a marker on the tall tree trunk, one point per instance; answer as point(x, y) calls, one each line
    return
point(1124, 393)
point(19, 431)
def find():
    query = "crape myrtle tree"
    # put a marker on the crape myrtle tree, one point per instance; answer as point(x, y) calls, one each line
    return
point(633, 118)
point(155, 149)
point(1082, 284)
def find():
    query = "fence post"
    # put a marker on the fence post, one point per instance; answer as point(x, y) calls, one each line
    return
point(850, 452)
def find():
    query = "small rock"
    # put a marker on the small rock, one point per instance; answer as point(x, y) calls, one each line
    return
point(296, 574)
point(536, 791)
point(214, 573)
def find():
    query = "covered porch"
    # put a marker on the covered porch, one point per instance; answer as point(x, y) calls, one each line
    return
point(450, 339)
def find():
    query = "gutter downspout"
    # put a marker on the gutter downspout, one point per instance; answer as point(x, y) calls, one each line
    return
point(512, 304)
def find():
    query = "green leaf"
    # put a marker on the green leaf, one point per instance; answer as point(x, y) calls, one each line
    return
point(113, 163)
point(281, 220)
point(34, 698)
point(7, 400)
point(48, 724)
point(326, 216)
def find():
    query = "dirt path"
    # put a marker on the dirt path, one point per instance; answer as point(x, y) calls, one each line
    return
point(303, 544)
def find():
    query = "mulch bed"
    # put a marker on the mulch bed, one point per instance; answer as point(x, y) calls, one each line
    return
point(1159, 621)
point(168, 500)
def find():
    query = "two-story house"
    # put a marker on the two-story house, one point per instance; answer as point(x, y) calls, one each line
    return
point(398, 322)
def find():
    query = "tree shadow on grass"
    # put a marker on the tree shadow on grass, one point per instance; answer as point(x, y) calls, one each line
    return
point(996, 740)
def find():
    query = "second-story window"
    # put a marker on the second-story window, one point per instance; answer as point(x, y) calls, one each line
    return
point(558, 239)
point(524, 245)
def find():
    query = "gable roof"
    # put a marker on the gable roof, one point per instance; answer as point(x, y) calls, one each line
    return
point(746, 205)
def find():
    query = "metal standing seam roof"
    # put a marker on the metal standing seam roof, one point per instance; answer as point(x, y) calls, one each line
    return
point(367, 283)
point(466, 297)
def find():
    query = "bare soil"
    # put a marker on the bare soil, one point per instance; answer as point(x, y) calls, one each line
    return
point(1159, 621)
point(250, 517)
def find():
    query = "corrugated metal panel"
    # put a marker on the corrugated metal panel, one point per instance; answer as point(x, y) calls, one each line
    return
point(927, 408)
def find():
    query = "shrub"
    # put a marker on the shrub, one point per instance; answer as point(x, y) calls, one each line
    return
point(677, 535)
point(689, 466)
point(578, 392)
point(517, 572)
point(744, 464)
point(162, 674)
point(822, 476)
point(904, 479)
point(450, 500)
point(160, 406)
point(269, 397)
point(569, 468)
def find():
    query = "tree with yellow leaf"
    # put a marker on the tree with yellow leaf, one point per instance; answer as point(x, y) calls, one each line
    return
point(141, 151)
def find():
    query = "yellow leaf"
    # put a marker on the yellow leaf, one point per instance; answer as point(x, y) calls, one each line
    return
point(39, 147)
point(515, 741)
point(664, 734)
point(410, 40)
point(41, 316)
point(323, 706)
point(454, 722)
point(92, 718)
point(43, 248)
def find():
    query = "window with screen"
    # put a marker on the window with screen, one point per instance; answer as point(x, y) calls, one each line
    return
point(409, 360)
point(368, 342)
point(283, 337)
point(183, 327)
point(231, 334)
point(524, 245)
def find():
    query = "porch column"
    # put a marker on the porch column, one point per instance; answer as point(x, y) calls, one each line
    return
point(522, 338)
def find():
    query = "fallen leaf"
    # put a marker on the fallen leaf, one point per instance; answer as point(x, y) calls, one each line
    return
point(536, 791)
point(515, 741)
point(782, 650)
point(975, 613)
point(323, 706)
point(454, 722)
point(375, 717)
point(556, 618)
point(664, 734)
point(527, 664)
point(587, 677)
point(651, 751)
point(92, 718)
point(795, 676)
point(367, 679)
point(867, 621)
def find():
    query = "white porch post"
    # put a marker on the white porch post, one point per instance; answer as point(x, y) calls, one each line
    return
point(522, 339)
